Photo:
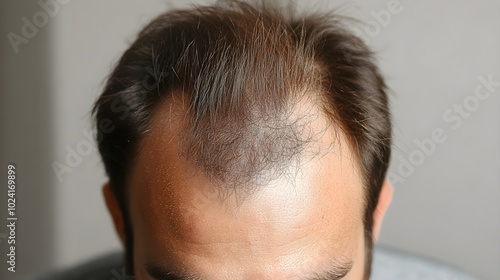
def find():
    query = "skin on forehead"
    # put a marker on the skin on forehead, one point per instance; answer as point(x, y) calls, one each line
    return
point(293, 227)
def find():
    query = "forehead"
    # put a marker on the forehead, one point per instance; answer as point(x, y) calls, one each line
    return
point(181, 216)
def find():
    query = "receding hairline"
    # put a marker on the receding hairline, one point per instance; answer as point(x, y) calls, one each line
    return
point(317, 135)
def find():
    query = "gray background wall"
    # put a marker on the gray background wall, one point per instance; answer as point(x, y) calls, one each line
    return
point(446, 203)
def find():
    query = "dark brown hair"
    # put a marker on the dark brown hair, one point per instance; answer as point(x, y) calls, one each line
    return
point(242, 67)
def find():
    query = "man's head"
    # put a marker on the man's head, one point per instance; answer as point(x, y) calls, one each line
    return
point(243, 142)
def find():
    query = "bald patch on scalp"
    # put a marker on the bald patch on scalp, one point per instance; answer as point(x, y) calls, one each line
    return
point(241, 157)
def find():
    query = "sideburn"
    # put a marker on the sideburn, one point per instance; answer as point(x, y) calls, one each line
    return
point(129, 242)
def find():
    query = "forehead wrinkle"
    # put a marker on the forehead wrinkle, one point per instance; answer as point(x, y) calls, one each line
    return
point(334, 269)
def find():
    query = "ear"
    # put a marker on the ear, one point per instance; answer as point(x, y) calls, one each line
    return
point(384, 200)
point(115, 211)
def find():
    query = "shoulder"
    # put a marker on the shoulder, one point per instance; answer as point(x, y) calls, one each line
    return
point(390, 264)
point(106, 267)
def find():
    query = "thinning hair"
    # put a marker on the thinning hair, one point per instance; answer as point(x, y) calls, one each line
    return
point(242, 68)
